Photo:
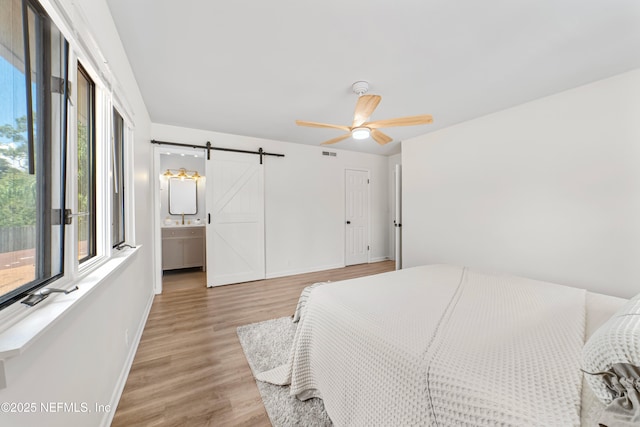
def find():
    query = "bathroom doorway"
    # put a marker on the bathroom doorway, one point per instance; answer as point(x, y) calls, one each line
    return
point(181, 218)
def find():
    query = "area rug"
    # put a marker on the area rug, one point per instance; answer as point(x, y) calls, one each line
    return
point(266, 345)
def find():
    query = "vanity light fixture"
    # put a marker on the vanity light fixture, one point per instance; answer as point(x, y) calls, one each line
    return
point(181, 173)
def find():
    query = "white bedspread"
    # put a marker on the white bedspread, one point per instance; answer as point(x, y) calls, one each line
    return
point(440, 345)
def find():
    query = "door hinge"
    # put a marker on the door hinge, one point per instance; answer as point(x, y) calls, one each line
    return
point(367, 180)
point(368, 248)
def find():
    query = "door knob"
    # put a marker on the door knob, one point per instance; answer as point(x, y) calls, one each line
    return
point(348, 222)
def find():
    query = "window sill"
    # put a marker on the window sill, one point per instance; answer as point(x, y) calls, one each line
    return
point(35, 321)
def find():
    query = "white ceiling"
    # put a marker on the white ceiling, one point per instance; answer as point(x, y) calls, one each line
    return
point(254, 67)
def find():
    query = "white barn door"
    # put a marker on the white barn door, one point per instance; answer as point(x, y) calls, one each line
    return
point(235, 226)
point(357, 217)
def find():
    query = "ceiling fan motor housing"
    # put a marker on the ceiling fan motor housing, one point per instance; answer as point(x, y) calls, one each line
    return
point(360, 87)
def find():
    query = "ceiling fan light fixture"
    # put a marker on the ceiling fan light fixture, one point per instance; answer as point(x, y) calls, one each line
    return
point(361, 127)
point(360, 133)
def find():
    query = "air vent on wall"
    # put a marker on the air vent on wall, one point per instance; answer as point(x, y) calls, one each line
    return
point(329, 153)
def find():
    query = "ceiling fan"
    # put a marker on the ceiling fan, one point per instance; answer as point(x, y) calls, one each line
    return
point(361, 128)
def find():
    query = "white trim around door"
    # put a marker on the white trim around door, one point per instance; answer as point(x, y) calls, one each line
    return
point(357, 216)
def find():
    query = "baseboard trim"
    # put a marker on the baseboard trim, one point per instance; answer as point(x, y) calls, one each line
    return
point(124, 374)
point(316, 269)
point(302, 271)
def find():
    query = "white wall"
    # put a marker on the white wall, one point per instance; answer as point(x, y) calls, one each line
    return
point(304, 199)
point(83, 357)
point(549, 190)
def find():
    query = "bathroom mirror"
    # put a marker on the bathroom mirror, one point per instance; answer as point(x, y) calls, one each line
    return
point(183, 197)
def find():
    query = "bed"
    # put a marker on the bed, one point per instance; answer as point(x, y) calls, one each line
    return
point(446, 345)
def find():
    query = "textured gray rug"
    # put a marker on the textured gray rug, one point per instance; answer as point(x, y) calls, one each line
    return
point(266, 345)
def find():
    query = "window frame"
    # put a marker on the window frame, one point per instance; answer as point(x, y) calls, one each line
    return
point(92, 249)
point(36, 145)
point(118, 178)
point(80, 50)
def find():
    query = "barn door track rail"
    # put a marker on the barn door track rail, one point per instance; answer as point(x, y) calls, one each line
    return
point(208, 147)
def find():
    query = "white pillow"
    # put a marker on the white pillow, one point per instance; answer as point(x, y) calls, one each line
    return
point(616, 341)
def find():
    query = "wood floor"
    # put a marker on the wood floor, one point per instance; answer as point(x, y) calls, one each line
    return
point(190, 369)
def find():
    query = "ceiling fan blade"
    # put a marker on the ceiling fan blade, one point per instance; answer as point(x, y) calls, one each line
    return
point(423, 119)
point(380, 137)
point(338, 139)
point(321, 125)
point(365, 106)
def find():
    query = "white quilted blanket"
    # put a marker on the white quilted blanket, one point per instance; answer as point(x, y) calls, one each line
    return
point(440, 345)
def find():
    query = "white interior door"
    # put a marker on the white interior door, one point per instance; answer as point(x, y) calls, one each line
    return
point(357, 217)
point(235, 229)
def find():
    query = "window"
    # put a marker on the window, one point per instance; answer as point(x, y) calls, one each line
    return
point(86, 167)
point(54, 172)
point(117, 206)
point(32, 117)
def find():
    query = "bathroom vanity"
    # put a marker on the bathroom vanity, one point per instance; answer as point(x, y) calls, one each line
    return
point(183, 246)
